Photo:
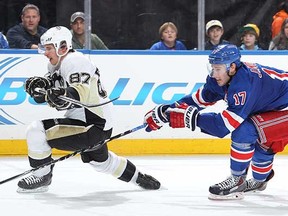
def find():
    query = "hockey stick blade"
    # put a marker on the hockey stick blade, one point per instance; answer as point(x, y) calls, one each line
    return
point(94, 147)
point(76, 102)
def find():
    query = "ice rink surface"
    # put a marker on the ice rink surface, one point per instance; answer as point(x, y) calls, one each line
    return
point(78, 190)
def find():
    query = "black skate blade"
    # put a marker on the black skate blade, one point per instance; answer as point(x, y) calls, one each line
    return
point(232, 196)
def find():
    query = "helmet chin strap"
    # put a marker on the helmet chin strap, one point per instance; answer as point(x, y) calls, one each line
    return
point(227, 71)
point(60, 57)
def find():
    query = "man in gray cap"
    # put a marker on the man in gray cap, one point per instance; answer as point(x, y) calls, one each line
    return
point(77, 23)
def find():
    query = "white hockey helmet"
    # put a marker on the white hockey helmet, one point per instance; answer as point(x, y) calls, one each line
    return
point(58, 36)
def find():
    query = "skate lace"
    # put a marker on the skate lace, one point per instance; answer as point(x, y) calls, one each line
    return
point(252, 184)
point(33, 180)
point(229, 182)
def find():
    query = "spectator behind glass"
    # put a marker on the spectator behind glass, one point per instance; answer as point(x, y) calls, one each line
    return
point(3, 42)
point(26, 35)
point(168, 38)
point(77, 23)
point(279, 17)
point(214, 32)
point(280, 42)
point(249, 37)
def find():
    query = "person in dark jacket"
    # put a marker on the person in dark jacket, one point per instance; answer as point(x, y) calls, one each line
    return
point(26, 35)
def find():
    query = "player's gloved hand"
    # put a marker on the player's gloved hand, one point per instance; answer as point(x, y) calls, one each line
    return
point(182, 116)
point(52, 98)
point(156, 118)
point(36, 82)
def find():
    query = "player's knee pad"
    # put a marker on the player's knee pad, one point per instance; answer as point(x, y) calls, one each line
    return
point(117, 166)
point(38, 147)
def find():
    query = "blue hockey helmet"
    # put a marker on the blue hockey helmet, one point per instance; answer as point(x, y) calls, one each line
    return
point(225, 54)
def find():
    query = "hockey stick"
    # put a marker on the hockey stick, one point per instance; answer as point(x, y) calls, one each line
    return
point(94, 147)
point(76, 102)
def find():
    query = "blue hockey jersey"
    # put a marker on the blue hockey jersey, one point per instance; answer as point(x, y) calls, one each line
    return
point(253, 89)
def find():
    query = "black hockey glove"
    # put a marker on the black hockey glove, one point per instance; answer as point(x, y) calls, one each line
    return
point(37, 82)
point(52, 98)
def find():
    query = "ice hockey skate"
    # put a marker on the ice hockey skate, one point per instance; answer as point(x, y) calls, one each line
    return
point(229, 189)
point(253, 185)
point(147, 182)
point(35, 184)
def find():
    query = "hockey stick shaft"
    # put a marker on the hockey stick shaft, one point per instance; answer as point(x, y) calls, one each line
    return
point(76, 102)
point(94, 147)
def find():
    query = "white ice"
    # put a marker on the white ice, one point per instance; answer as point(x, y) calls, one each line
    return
point(78, 190)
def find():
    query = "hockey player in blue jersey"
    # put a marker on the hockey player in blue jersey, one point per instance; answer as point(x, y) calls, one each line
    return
point(255, 97)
